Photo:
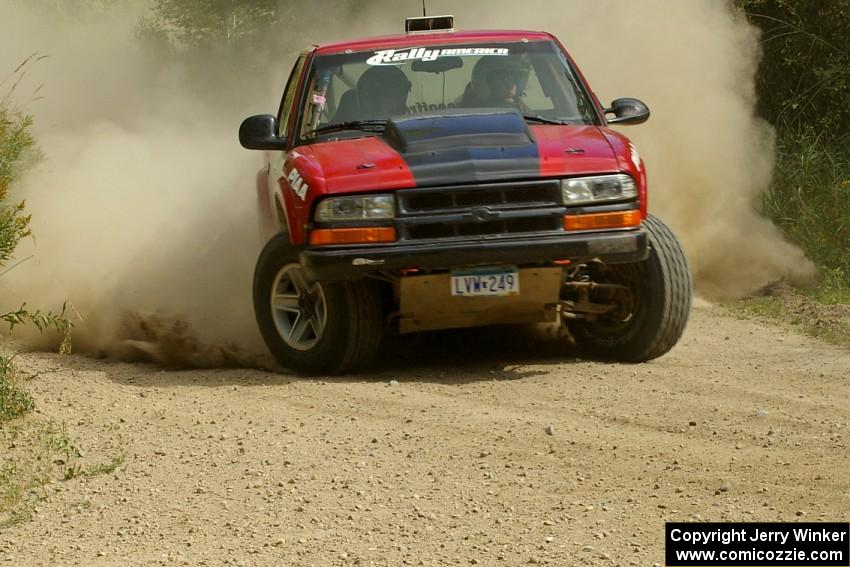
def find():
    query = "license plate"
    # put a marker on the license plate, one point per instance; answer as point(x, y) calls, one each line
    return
point(479, 282)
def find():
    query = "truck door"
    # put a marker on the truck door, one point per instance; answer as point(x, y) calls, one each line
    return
point(287, 118)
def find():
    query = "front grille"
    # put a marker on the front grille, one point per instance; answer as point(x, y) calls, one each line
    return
point(459, 198)
point(459, 229)
point(487, 210)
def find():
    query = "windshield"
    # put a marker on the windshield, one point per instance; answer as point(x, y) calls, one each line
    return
point(533, 77)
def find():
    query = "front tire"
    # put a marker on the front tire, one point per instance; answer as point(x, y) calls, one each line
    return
point(314, 327)
point(652, 314)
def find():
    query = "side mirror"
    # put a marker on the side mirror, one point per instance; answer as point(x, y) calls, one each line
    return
point(628, 111)
point(260, 133)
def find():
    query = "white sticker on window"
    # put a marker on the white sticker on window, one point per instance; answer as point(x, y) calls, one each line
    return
point(396, 57)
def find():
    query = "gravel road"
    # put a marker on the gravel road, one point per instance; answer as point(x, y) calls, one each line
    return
point(463, 448)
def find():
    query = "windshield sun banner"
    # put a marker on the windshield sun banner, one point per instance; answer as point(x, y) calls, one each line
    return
point(398, 57)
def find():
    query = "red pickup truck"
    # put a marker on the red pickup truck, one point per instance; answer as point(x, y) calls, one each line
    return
point(441, 179)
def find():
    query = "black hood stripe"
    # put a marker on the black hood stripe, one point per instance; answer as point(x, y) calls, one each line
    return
point(465, 146)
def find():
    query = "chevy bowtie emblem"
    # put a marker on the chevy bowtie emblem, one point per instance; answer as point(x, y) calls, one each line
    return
point(483, 214)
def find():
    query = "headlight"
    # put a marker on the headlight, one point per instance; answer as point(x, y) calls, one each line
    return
point(370, 207)
point(585, 190)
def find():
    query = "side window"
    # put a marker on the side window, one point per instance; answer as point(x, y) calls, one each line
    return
point(285, 112)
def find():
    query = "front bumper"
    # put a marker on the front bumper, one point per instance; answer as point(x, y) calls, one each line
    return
point(353, 262)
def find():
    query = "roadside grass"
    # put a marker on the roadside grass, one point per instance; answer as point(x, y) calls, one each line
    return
point(37, 454)
point(810, 202)
point(14, 400)
point(34, 453)
point(828, 322)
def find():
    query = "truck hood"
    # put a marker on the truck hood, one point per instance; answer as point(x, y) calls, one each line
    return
point(439, 151)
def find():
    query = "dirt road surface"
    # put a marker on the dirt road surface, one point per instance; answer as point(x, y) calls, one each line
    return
point(442, 455)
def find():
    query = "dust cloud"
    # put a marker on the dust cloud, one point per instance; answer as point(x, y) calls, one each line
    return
point(143, 209)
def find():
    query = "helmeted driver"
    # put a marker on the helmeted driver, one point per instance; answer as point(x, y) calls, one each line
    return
point(496, 82)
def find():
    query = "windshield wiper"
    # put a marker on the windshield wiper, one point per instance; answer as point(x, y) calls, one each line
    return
point(365, 125)
point(543, 120)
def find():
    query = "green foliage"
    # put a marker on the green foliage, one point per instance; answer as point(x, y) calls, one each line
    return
point(16, 143)
point(14, 226)
point(804, 79)
point(17, 152)
point(16, 148)
point(42, 321)
point(105, 468)
point(209, 24)
point(14, 401)
point(35, 454)
point(810, 201)
point(810, 197)
point(804, 90)
point(219, 46)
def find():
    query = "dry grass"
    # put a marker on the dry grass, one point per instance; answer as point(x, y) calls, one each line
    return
point(786, 305)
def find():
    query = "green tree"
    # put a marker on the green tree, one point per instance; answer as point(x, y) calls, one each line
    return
point(804, 79)
point(219, 25)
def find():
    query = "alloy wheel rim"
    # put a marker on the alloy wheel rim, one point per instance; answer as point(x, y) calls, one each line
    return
point(298, 308)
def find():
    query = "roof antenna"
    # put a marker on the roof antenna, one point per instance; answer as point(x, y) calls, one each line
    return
point(424, 11)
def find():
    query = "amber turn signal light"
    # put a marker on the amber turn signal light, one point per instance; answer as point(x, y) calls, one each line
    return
point(365, 235)
point(597, 221)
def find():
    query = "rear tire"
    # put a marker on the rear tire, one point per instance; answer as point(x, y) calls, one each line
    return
point(314, 327)
point(653, 317)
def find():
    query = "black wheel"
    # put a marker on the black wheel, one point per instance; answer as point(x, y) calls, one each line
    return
point(314, 327)
point(653, 302)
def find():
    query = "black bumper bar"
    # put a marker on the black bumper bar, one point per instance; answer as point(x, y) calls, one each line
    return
point(352, 262)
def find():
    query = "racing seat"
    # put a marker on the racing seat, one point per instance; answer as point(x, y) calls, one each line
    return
point(380, 92)
point(349, 107)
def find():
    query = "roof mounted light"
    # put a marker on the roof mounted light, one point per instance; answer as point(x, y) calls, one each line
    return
point(430, 24)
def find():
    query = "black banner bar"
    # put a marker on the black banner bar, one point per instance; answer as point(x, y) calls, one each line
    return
point(772, 544)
